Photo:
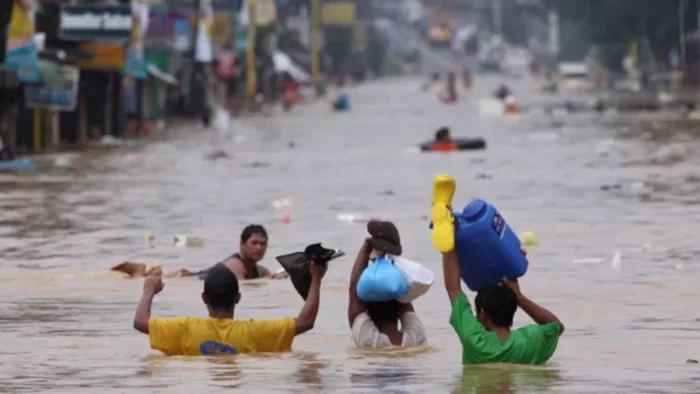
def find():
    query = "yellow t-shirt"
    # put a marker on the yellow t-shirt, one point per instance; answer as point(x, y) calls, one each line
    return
point(193, 336)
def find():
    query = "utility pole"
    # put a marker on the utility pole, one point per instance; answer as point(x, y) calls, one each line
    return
point(497, 11)
point(194, 85)
point(697, 36)
point(250, 50)
point(316, 42)
point(553, 19)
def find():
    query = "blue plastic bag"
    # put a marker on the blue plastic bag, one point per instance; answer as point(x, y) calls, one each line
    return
point(17, 165)
point(381, 281)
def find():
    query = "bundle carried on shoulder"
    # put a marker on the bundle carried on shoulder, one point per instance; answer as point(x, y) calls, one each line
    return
point(394, 278)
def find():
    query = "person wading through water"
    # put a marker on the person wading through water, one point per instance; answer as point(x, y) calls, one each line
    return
point(243, 264)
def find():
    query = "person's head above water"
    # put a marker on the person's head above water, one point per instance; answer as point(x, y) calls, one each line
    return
point(221, 292)
point(253, 243)
point(383, 313)
point(443, 135)
point(495, 306)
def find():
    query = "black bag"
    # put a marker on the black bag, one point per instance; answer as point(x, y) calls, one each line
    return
point(297, 265)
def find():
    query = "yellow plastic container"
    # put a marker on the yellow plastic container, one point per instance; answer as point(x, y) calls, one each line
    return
point(443, 234)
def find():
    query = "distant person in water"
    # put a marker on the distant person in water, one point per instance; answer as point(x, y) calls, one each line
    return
point(450, 95)
point(502, 93)
point(290, 91)
point(342, 101)
point(467, 78)
point(443, 141)
point(376, 324)
point(443, 136)
point(688, 111)
point(220, 334)
point(511, 105)
point(243, 264)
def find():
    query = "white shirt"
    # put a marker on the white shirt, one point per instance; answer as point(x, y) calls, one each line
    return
point(367, 335)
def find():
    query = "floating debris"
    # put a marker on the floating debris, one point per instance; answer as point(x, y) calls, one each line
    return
point(588, 261)
point(217, 155)
point(281, 204)
point(352, 218)
point(258, 164)
point(529, 239)
point(616, 262)
point(188, 241)
point(610, 187)
point(62, 161)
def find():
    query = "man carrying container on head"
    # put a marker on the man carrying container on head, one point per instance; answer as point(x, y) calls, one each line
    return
point(486, 336)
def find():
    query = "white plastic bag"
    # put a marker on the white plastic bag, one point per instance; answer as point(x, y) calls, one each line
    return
point(418, 277)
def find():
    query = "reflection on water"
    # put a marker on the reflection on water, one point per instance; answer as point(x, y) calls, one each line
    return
point(505, 379)
point(592, 187)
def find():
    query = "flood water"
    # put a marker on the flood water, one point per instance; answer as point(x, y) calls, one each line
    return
point(588, 185)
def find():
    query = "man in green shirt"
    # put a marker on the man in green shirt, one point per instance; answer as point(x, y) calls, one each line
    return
point(487, 338)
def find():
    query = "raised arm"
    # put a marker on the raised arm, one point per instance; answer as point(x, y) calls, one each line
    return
point(307, 317)
point(450, 270)
point(355, 306)
point(539, 314)
point(151, 286)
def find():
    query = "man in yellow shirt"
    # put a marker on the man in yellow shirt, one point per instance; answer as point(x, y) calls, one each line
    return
point(220, 334)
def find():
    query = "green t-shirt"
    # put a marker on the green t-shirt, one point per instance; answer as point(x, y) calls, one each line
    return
point(530, 345)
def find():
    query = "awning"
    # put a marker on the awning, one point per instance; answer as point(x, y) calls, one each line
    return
point(284, 64)
point(161, 75)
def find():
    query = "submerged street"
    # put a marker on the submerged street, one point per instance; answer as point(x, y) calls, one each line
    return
point(588, 185)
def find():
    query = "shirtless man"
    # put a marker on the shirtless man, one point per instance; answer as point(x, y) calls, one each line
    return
point(243, 264)
point(252, 249)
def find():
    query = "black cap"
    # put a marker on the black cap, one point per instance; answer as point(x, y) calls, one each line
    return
point(385, 237)
point(221, 285)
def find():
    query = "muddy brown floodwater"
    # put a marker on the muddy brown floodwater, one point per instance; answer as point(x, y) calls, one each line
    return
point(588, 185)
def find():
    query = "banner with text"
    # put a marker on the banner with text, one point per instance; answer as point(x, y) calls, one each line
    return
point(96, 23)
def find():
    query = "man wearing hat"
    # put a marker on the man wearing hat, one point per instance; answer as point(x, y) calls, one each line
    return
point(220, 333)
point(376, 324)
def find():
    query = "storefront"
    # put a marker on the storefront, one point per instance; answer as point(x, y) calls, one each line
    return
point(101, 33)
